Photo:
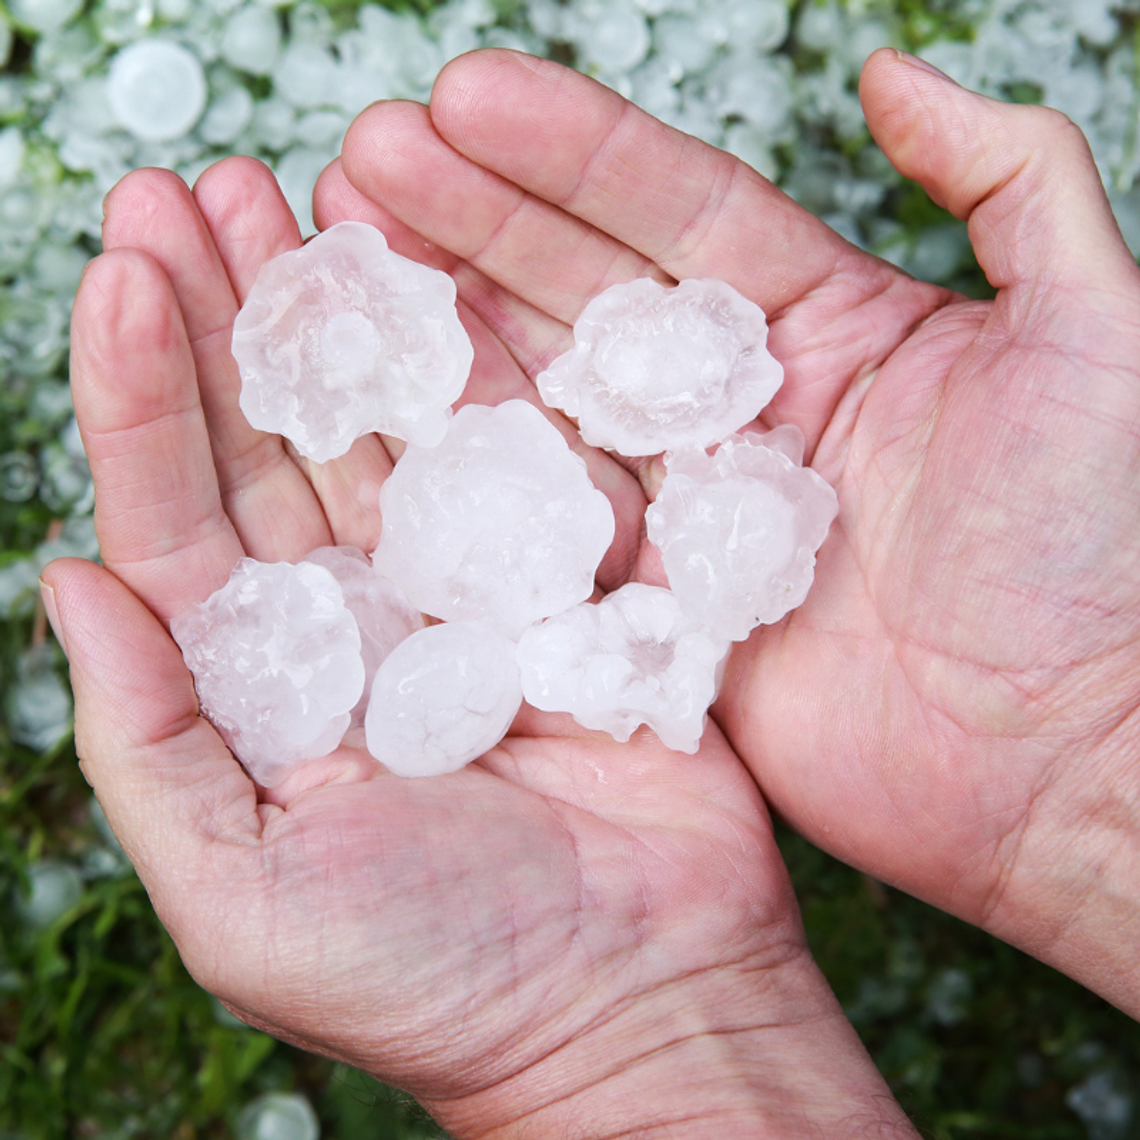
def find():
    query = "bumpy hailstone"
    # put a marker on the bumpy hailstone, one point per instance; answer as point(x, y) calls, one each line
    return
point(343, 337)
point(499, 524)
point(383, 615)
point(738, 531)
point(276, 661)
point(442, 698)
point(654, 368)
point(157, 90)
point(633, 658)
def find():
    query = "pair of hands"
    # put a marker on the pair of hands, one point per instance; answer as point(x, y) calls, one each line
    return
point(572, 935)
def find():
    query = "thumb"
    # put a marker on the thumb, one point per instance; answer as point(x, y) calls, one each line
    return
point(169, 786)
point(1023, 176)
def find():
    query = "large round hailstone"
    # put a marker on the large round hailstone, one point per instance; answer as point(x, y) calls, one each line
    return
point(442, 698)
point(275, 656)
point(343, 337)
point(383, 615)
point(157, 90)
point(654, 368)
point(633, 658)
point(43, 15)
point(738, 531)
point(499, 524)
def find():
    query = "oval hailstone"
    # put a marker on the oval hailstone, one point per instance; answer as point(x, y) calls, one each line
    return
point(738, 530)
point(276, 661)
point(654, 368)
point(442, 698)
point(157, 90)
point(633, 658)
point(343, 337)
point(499, 524)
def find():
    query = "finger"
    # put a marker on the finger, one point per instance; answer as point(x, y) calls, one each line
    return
point(172, 791)
point(836, 313)
point(159, 515)
point(549, 258)
point(1022, 175)
point(533, 336)
point(268, 499)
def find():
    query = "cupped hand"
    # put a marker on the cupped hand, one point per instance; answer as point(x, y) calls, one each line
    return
point(570, 936)
point(954, 708)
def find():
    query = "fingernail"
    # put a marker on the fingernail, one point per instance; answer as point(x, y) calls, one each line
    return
point(52, 611)
point(921, 64)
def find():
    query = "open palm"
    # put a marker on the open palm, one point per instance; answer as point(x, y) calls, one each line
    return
point(954, 708)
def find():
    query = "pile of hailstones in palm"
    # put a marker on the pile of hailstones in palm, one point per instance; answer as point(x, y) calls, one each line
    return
point(490, 524)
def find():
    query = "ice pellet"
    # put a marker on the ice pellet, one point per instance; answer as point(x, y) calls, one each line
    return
point(738, 530)
point(442, 698)
point(275, 656)
point(383, 615)
point(499, 524)
point(157, 89)
point(633, 658)
point(343, 337)
point(654, 368)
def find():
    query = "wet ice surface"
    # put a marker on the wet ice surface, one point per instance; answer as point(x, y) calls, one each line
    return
point(275, 656)
point(383, 615)
point(499, 524)
point(654, 368)
point(343, 337)
point(442, 698)
point(738, 531)
point(633, 658)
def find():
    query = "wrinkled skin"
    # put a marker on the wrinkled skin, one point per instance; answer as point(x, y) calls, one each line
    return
point(526, 942)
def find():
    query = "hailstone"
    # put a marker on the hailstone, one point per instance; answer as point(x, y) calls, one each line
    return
point(275, 656)
point(499, 524)
point(654, 367)
point(738, 530)
point(343, 337)
point(442, 698)
point(633, 658)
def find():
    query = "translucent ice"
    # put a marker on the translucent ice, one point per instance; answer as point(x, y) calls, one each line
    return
point(634, 658)
point(738, 531)
point(442, 698)
point(499, 524)
point(383, 615)
point(655, 368)
point(276, 661)
point(157, 89)
point(343, 337)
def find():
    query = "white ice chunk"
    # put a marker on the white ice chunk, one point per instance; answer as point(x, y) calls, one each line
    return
point(738, 530)
point(157, 90)
point(383, 615)
point(655, 368)
point(499, 524)
point(44, 15)
point(442, 698)
point(252, 39)
point(276, 661)
point(634, 658)
point(343, 337)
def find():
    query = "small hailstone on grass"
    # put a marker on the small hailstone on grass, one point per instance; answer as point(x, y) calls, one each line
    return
point(442, 698)
point(498, 524)
point(275, 656)
point(343, 337)
point(655, 367)
point(633, 658)
point(383, 615)
point(157, 90)
point(738, 530)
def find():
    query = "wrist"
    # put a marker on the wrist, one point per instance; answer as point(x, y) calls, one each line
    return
point(1071, 896)
point(748, 1053)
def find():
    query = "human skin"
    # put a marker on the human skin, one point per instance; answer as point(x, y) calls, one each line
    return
point(954, 708)
point(575, 937)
